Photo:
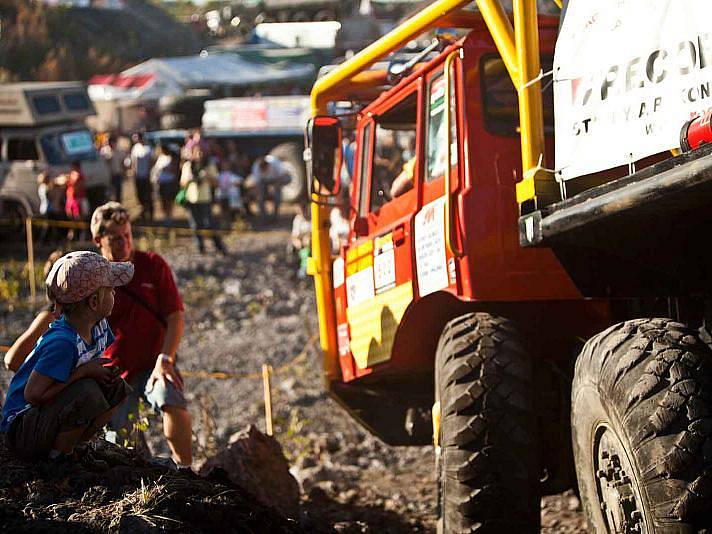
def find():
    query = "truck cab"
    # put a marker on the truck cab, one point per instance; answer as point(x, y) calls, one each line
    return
point(446, 241)
point(42, 130)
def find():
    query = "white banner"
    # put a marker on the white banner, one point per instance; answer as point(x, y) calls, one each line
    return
point(627, 75)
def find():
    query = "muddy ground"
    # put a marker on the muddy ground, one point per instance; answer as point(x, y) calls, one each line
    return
point(247, 309)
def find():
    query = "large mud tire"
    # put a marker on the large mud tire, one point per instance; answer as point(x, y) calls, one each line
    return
point(642, 431)
point(489, 462)
point(291, 155)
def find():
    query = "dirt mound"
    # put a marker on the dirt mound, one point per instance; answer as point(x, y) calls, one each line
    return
point(131, 495)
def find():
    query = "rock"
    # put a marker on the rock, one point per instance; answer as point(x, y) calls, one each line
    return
point(572, 501)
point(307, 461)
point(255, 462)
point(232, 287)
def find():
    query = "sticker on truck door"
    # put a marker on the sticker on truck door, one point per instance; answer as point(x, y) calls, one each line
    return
point(430, 259)
point(384, 263)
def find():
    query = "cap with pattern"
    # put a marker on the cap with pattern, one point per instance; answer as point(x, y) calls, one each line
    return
point(77, 275)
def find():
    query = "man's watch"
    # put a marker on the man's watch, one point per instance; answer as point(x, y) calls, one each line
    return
point(166, 358)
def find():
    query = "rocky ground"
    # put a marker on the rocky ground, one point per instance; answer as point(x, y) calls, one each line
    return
point(248, 309)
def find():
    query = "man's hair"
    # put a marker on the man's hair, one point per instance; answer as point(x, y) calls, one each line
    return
point(53, 257)
point(109, 212)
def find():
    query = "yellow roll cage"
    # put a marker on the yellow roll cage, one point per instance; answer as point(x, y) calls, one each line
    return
point(517, 43)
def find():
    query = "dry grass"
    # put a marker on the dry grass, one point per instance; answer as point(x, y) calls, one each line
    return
point(142, 503)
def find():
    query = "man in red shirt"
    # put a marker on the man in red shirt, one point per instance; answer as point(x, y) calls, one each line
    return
point(147, 321)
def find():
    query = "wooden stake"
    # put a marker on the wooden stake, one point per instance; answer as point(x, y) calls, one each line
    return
point(266, 371)
point(30, 258)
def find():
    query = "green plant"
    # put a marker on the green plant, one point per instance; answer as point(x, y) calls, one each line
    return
point(293, 435)
point(138, 424)
point(12, 275)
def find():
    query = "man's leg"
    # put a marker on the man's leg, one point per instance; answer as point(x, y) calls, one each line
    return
point(177, 427)
point(194, 223)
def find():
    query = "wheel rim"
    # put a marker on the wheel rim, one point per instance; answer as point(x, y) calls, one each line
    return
point(292, 190)
point(617, 485)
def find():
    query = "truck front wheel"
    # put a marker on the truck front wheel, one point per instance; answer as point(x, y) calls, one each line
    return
point(642, 428)
point(489, 461)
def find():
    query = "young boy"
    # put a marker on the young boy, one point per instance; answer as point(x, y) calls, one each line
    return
point(62, 394)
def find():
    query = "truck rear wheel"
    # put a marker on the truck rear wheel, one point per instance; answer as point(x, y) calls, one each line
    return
point(488, 467)
point(642, 428)
point(291, 155)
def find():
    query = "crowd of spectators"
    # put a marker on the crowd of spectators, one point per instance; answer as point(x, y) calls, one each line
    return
point(215, 183)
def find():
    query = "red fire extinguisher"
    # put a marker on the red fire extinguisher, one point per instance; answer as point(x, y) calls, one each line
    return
point(696, 132)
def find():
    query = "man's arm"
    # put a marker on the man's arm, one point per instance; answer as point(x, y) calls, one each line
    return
point(24, 344)
point(41, 389)
point(174, 332)
point(165, 363)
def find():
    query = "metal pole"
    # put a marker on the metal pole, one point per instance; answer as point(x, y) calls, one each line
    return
point(266, 371)
point(30, 259)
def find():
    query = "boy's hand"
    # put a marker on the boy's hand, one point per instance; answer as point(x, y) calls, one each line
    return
point(96, 369)
point(165, 370)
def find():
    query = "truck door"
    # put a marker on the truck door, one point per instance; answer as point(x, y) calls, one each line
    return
point(378, 281)
point(436, 235)
point(22, 157)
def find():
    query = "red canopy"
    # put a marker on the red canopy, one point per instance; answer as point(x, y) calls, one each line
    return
point(124, 82)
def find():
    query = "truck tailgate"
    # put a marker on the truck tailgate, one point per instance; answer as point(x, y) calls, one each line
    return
point(644, 234)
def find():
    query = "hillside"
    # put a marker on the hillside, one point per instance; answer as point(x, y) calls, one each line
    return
point(57, 43)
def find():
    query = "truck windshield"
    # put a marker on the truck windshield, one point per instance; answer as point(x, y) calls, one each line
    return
point(66, 147)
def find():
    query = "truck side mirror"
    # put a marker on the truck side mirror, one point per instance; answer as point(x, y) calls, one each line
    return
point(323, 155)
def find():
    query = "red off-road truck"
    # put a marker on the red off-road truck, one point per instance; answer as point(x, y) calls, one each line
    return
point(540, 319)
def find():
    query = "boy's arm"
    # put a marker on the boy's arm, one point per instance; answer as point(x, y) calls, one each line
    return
point(41, 389)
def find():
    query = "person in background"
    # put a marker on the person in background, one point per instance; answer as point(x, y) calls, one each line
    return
point(269, 175)
point(43, 181)
point(165, 174)
point(339, 223)
point(238, 161)
point(148, 323)
point(51, 312)
point(43, 184)
point(194, 140)
point(229, 193)
point(214, 152)
point(199, 178)
point(141, 167)
point(300, 240)
point(56, 200)
point(404, 181)
point(62, 394)
point(349, 149)
point(76, 205)
point(114, 156)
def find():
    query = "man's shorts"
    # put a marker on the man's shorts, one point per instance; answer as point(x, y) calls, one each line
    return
point(33, 432)
point(158, 395)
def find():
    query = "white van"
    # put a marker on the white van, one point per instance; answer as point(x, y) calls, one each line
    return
point(42, 129)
